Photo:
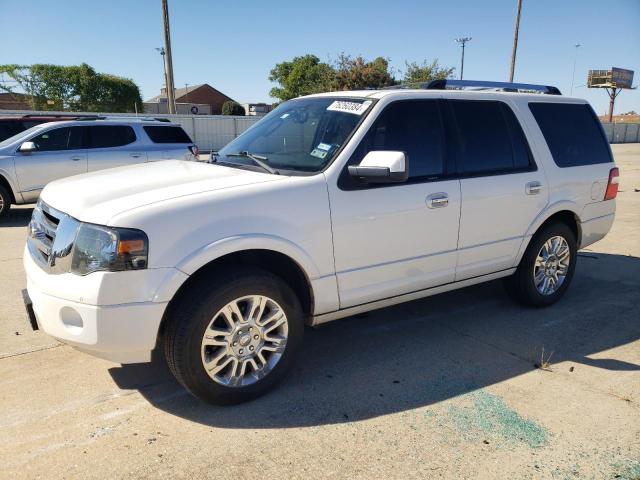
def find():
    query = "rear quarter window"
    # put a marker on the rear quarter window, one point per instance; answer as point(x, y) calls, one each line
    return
point(573, 133)
point(162, 134)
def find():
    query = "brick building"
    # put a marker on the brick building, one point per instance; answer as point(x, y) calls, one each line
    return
point(203, 94)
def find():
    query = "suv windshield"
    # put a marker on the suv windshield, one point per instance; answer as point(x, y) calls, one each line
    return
point(302, 134)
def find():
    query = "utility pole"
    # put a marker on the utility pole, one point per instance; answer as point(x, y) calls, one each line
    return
point(575, 59)
point(613, 93)
point(168, 62)
point(462, 41)
point(515, 42)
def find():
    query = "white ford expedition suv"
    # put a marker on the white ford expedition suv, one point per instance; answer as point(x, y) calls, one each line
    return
point(332, 205)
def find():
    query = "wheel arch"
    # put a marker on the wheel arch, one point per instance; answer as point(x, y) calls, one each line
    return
point(5, 183)
point(565, 212)
point(273, 261)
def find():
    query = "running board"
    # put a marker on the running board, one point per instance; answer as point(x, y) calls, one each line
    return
point(407, 297)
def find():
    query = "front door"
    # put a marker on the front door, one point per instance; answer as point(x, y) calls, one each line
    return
point(58, 154)
point(394, 239)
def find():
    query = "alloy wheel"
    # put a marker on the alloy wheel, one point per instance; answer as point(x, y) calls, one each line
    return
point(551, 265)
point(244, 341)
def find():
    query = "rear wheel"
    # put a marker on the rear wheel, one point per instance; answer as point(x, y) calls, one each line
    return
point(233, 342)
point(5, 201)
point(546, 268)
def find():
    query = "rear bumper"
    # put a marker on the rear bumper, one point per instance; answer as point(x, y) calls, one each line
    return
point(595, 229)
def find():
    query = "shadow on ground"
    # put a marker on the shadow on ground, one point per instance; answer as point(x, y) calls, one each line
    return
point(422, 352)
point(17, 217)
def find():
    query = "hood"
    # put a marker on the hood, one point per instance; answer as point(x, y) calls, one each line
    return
point(99, 196)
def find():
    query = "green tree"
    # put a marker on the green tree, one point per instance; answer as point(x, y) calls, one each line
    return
point(232, 108)
point(355, 73)
point(425, 72)
point(74, 88)
point(301, 76)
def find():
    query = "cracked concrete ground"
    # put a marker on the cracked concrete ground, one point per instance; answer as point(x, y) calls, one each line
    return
point(444, 387)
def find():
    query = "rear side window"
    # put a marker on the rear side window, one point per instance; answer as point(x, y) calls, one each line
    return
point(487, 138)
point(410, 126)
point(167, 134)
point(573, 133)
point(106, 136)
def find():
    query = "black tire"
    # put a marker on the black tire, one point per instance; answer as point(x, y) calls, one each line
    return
point(521, 286)
point(191, 313)
point(5, 202)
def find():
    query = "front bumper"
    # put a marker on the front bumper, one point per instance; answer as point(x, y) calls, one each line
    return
point(121, 332)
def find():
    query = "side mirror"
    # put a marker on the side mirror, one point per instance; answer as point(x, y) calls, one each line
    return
point(27, 147)
point(381, 167)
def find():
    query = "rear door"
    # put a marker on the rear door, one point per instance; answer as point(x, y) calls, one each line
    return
point(113, 146)
point(502, 189)
point(60, 153)
point(168, 142)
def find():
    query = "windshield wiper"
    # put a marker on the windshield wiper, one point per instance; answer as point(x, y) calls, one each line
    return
point(258, 160)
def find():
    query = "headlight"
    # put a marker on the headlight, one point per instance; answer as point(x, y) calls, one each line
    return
point(109, 249)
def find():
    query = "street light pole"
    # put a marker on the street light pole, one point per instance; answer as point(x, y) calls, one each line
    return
point(462, 41)
point(168, 60)
point(515, 42)
point(575, 59)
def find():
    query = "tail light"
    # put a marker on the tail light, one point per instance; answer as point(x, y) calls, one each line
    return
point(612, 185)
point(195, 150)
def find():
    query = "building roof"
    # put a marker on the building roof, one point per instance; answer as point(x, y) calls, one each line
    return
point(182, 92)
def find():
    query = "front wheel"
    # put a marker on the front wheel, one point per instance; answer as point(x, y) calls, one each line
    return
point(233, 336)
point(5, 202)
point(546, 268)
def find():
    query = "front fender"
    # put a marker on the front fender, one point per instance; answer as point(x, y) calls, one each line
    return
point(7, 171)
point(193, 262)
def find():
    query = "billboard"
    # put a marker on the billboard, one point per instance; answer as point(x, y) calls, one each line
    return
point(614, 78)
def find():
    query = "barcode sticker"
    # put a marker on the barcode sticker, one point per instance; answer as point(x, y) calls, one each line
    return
point(349, 107)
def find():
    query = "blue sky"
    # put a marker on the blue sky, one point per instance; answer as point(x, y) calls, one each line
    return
point(233, 45)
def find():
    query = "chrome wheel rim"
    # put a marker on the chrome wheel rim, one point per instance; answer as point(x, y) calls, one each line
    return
point(1, 203)
point(552, 265)
point(244, 341)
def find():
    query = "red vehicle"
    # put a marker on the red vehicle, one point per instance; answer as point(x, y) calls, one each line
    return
point(11, 125)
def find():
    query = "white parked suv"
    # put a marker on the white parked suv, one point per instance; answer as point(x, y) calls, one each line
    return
point(54, 150)
point(332, 205)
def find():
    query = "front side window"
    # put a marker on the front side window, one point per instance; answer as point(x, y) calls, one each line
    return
point(53, 140)
point(107, 136)
point(410, 126)
point(303, 134)
point(573, 133)
point(487, 138)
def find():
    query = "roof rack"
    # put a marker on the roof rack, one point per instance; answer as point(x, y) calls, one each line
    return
point(123, 117)
point(488, 85)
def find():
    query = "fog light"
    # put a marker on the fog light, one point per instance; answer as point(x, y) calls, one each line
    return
point(72, 320)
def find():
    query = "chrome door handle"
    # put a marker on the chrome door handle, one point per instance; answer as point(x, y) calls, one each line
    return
point(437, 200)
point(533, 188)
point(76, 158)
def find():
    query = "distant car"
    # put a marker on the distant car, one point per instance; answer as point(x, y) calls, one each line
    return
point(50, 151)
point(11, 125)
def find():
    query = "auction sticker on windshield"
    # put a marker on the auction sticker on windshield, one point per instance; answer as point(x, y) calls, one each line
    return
point(349, 107)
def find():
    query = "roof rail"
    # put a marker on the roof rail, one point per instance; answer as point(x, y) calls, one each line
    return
point(90, 117)
point(488, 85)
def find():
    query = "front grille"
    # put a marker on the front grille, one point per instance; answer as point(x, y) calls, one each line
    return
point(42, 230)
point(51, 236)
